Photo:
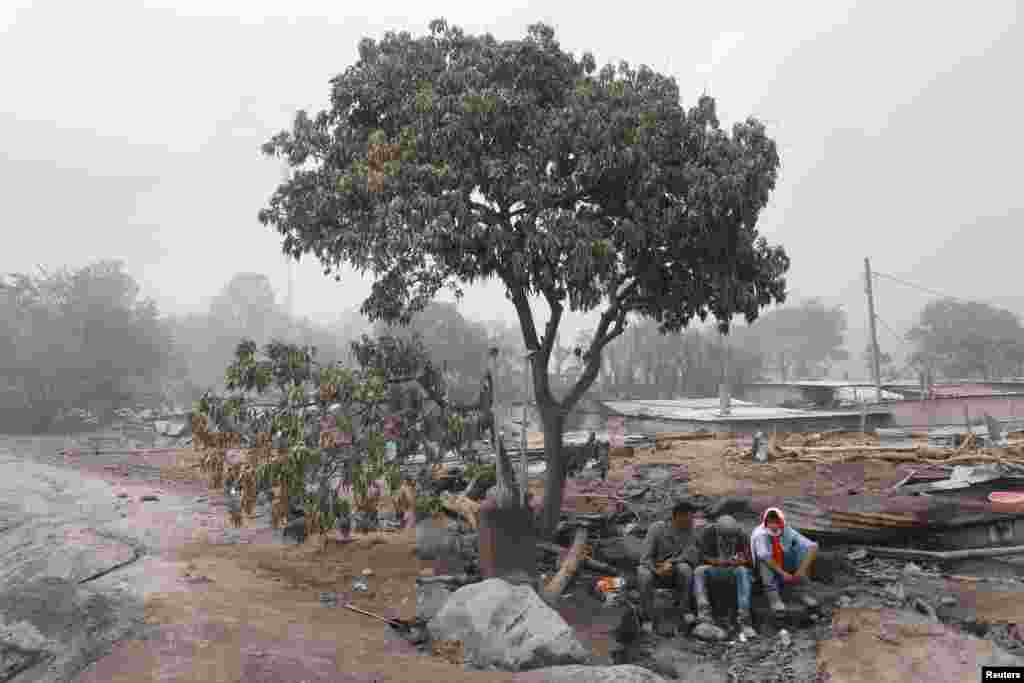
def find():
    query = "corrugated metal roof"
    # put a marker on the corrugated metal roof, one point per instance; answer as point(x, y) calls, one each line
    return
point(707, 410)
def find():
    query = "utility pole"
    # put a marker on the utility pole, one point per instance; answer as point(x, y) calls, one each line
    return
point(875, 366)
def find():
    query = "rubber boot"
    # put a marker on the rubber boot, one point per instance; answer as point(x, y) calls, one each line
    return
point(775, 602)
point(745, 624)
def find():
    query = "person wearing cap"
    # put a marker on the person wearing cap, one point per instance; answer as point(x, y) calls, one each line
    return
point(668, 559)
point(783, 557)
point(724, 554)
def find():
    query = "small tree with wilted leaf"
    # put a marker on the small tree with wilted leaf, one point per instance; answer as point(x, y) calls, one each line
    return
point(446, 159)
point(316, 434)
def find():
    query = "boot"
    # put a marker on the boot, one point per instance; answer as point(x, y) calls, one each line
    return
point(704, 613)
point(744, 622)
point(775, 602)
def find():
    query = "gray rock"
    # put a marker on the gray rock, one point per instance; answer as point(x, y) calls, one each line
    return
point(430, 598)
point(508, 627)
point(623, 673)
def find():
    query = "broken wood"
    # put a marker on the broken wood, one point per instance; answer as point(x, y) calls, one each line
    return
point(853, 449)
point(668, 437)
point(970, 554)
point(394, 623)
point(589, 562)
point(465, 507)
point(570, 564)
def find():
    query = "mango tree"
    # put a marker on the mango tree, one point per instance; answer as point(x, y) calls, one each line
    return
point(317, 435)
point(447, 159)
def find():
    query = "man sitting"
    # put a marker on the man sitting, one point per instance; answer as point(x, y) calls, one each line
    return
point(783, 557)
point(724, 554)
point(668, 560)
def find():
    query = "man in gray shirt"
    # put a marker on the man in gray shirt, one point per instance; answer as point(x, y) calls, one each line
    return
point(668, 559)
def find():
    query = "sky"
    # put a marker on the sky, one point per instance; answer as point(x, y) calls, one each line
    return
point(134, 133)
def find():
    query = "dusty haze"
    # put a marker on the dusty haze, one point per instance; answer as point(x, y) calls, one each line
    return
point(134, 133)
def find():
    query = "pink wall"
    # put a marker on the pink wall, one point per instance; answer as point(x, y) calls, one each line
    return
point(950, 411)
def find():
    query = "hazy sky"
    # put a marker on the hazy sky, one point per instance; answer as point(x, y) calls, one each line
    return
point(132, 130)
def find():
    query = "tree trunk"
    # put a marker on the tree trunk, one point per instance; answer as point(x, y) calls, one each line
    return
point(554, 484)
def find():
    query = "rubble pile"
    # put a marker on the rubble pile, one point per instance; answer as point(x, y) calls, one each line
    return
point(616, 516)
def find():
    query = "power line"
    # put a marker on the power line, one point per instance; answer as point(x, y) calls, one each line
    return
point(933, 292)
point(891, 331)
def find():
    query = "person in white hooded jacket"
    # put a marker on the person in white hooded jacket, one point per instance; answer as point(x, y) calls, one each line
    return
point(782, 557)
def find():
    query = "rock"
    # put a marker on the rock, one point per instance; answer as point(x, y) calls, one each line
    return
point(623, 673)
point(506, 626)
point(430, 597)
point(708, 631)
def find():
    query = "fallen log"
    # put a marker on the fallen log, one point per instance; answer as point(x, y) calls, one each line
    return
point(465, 507)
point(589, 562)
point(570, 564)
point(970, 554)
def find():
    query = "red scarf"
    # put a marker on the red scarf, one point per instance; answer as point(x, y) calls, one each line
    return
point(777, 554)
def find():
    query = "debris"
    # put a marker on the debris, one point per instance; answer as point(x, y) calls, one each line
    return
point(784, 638)
point(588, 562)
point(857, 555)
point(924, 608)
point(329, 599)
point(463, 506)
point(360, 585)
point(367, 572)
point(150, 498)
point(948, 601)
point(897, 591)
point(935, 556)
point(394, 623)
point(911, 568)
point(708, 631)
point(570, 564)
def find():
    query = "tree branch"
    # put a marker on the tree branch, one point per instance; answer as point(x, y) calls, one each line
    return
point(616, 313)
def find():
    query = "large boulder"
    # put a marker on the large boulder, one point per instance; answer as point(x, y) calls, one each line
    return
point(623, 673)
point(507, 627)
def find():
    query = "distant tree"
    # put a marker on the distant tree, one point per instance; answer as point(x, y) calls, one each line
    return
point(247, 307)
point(455, 344)
point(965, 339)
point(803, 339)
point(448, 159)
point(80, 338)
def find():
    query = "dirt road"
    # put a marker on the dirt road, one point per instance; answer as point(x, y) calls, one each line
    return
point(113, 572)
